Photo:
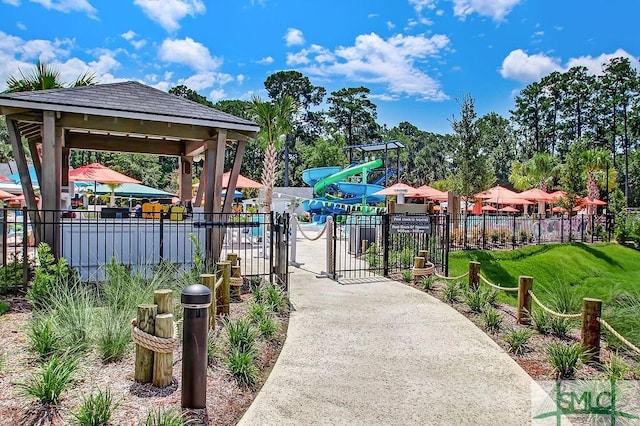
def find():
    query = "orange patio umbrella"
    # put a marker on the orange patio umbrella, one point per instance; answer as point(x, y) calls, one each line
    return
point(5, 194)
point(536, 194)
point(243, 182)
point(96, 172)
point(434, 194)
point(398, 188)
point(508, 200)
point(508, 209)
point(593, 202)
point(497, 192)
point(489, 209)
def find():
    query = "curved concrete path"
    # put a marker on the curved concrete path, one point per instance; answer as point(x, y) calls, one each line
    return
point(384, 354)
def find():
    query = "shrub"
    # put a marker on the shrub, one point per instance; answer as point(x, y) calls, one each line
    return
point(407, 276)
point(241, 335)
point(372, 256)
point(518, 340)
point(113, 334)
point(541, 321)
point(268, 327)
point(560, 326)
point(47, 274)
point(4, 307)
point(257, 312)
point(242, 366)
point(451, 292)
point(44, 339)
point(274, 298)
point(562, 299)
point(258, 294)
point(427, 283)
point(212, 348)
point(166, 418)
point(12, 273)
point(256, 282)
point(492, 320)
point(616, 368)
point(406, 257)
point(54, 377)
point(565, 359)
point(479, 299)
point(95, 410)
point(73, 308)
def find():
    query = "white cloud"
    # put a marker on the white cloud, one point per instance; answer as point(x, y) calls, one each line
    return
point(168, 13)
point(520, 66)
point(138, 44)
point(294, 37)
point(190, 53)
point(595, 63)
point(240, 78)
point(217, 94)
point(525, 68)
point(22, 26)
point(440, 12)
point(67, 6)
point(373, 15)
point(129, 35)
point(205, 80)
point(12, 2)
point(393, 63)
point(390, 25)
point(267, 60)
point(420, 5)
point(495, 9)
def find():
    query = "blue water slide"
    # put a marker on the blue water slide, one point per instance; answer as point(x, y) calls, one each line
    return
point(386, 176)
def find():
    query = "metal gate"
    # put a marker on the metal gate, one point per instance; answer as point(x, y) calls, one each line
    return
point(368, 246)
point(280, 249)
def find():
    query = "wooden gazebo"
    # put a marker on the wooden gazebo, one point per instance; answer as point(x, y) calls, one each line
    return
point(119, 117)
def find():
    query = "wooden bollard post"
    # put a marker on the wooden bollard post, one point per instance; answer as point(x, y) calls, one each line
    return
point(591, 311)
point(236, 288)
point(233, 258)
point(223, 297)
point(364, 246)
point(525, 284)
point(163, 362)
point(163, 298)
point(209, 281)
point(143, 372)
point(418, 262)
point(474, 275)
point(424, 253)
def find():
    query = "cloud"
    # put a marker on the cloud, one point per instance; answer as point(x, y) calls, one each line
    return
point(217, 94)
point(394, 63)
point(525, 68)
point(22, 26)
point(67, 6)
point(495, 9)
point(205, 80)
point(520, 66)
point(129, 35)
point(12, 2)
point(390, 25)
point(138, 44)
point(168, 13)
point(267, 60)
point(190, 53)
point(420, 5)
point(294, 37)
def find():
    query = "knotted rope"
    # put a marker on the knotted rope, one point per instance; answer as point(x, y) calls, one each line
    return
point(163, 345)
point(497, 287)
point(235, 281)
point(317, 237)
point(442, 277)
point(552, 312)
point(428, 270)
point(619, 336)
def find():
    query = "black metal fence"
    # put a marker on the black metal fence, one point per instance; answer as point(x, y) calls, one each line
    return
point(89, 240)
point(369, 246)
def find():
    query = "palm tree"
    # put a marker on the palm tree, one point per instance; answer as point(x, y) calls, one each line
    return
point(44, 76)
point(537, 171)
point(275, 120)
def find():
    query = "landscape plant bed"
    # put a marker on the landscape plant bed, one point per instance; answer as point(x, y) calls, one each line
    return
point(534, 359)
point(227, 400)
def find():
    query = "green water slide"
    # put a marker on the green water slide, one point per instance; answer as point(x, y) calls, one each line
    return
point(320, 187)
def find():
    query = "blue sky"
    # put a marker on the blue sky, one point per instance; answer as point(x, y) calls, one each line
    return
point(416, 56)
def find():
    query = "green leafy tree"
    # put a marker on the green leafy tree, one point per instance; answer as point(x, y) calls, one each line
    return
point(354, 114)
point(190, 94)
point(499, 141)
point(45, 76)
point(538, 171)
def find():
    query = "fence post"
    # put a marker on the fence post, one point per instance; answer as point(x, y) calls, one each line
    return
point(161, 245)
point(591, 311)
point(385, 245)
point(329, 251)
point(25, 249)
point(525, 284)
point(561, 228)
point(592, 220)
point(540, 228)
point(272, 231)
point(582, 229)
point(484, 231)
point(474, 275)
point(513, 234)
point(4, 236)
point(294, 241)
point(225, 290)
point(447, 233)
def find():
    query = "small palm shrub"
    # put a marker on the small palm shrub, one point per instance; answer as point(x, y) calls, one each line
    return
point(241, 335)
point(427, 283)
point(407, 276)
point(274, 298)
point(4, 307)
point(518, 340)
point(560, 327)
point(451, 292)
point(242, 366)
point(372, 256)
point(54, 377)
point(257, 312)
point(46, 276)
point(113, 335)
point(165, 418)
point(492, 320)
point(258, 294)
point(95, 410)
point(478, 299)
point(565, 359)
point(256, 282)
point(268, 327)
point(212, 348)
point(616, 368)
point(541, 321)
point(43, 337)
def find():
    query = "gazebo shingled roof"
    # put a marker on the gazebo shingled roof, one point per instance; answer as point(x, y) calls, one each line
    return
point(119, 117)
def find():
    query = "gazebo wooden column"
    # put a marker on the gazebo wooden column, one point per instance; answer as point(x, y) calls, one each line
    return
point(214, 169)
point(50, 187)
point(186, 179)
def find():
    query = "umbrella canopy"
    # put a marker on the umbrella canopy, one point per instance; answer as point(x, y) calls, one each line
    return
point(558, 195)
point(536, 194)
point(134, 190)
point(497, 192)
point(434, 194)
point(508, 209)
point(5, 179)
point(489, 209)
point(509, 200)
point(397, 188)
point(5, 194)
point(243, 182)
point(96, 172)
point(594, 202)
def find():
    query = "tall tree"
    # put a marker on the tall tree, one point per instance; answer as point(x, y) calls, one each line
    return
point(499, 141)
point(275, 120)
point(539, 171)
point(190, 94)
point(354, 114)
point(44, 76)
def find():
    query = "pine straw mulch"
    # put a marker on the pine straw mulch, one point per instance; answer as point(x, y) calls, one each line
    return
point(226, 399)
point(533, 361)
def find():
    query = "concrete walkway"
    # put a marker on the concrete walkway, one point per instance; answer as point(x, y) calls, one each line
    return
point(384, 354)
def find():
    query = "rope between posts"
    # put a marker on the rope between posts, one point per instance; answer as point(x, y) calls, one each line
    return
point(552, 312)
point(235, 281)
point(497, 287)
point(317, 237)
point(618, 335)
point(163, 345)
point(442, 277)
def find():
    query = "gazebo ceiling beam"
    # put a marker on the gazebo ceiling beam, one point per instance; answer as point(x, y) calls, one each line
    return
point(111, 143)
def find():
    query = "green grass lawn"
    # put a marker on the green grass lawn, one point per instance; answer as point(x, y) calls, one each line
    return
point(603, 271)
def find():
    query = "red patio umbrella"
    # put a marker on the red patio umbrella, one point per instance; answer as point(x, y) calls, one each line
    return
point(431, 193)
point(508, 200)
point(398, 188)
point(489, 209)
point(96, 172)
point(243, 182)
point(497, 192)
point(594, 202)
point(5, 179)
point(5, 194)
point(536, 194)
point(508, 209)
